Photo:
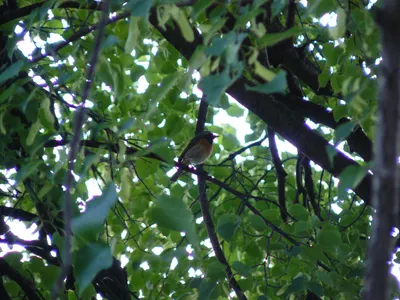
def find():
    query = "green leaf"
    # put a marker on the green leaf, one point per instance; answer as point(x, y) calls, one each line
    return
point(296, 250)
point(174, 124)
point(199, 7)
point(316, 288)
point(277, 85)
point(320, 7)
point(394, 288)
point(167, 84)
point(221, 44)
point(301, 227)
point(298, 284)
point(343, 131)
point(49, 276)
point(242, 269)
point(12, 70)
point(139, 8)
point(27, 170)
point(324, 277)
point(282, 290)
point(105, 72)
point(227, 226)
point(312, 253)
point(331, 151)
point(89, 261)
point(7, 93)
point(13, 258)
point(145, 168)
point(277, 6)
point(206, 288)
point(329, 236)
point(323, 77)
point(57, 25)
point(277, 246)
point(349, 178)
point(339, 30)
point(339, 112)
point(257, 223)
point(299, 212)
point(173, 213)
point(133, 34)
point(247, 17)
point(235, 111)
point(263, 72)
point(45, 115)
point(331, 54)
point(89, 224)
point(214, 85)
point(35, 127)
point(230, 142)
point(271, 39)
point(184, 25)
point(215, 270)
point(137, 72)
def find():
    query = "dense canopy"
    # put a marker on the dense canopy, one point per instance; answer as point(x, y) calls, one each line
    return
point(97, 99)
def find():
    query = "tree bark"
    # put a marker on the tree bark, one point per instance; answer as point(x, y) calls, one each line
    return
point(386, 172)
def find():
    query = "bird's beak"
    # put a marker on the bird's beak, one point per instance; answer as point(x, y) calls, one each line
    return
point(215, 136)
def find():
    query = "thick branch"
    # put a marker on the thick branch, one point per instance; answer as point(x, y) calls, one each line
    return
point(284, 121)
point(386, 170)
point(291, 127)
point(27, 286)
point(17, 213)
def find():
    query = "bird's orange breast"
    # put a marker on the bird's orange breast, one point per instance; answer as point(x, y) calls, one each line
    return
point(200, 152)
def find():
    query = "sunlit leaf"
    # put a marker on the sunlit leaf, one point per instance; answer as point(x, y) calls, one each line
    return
point(90, 223)
point(132, 35)
point(277, 85)
point(173, 213)
point(271, 39)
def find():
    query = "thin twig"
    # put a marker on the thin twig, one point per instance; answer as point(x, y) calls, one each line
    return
point(280, 173)
point(309, 186)
point(241, 150)
point(205, 210)
point(78, 123)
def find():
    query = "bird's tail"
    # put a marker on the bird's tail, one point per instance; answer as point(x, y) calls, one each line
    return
point(176, 175)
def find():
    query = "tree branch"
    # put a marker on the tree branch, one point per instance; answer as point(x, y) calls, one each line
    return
point(386, 170)
point(280, 174)
point(283, 120)
point(309, 186)
point(232, 156)
point(205, 210)
point(77, 130)
point(17, 213)
point(27, 286)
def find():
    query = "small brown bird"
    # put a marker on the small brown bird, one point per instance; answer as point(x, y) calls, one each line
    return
point(197, 151)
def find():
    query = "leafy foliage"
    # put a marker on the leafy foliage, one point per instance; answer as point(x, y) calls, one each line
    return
point(136, 234)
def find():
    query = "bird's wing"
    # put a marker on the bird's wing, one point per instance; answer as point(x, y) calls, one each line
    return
point(192, 142)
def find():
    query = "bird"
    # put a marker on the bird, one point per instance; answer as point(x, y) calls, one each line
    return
point(197, 151)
